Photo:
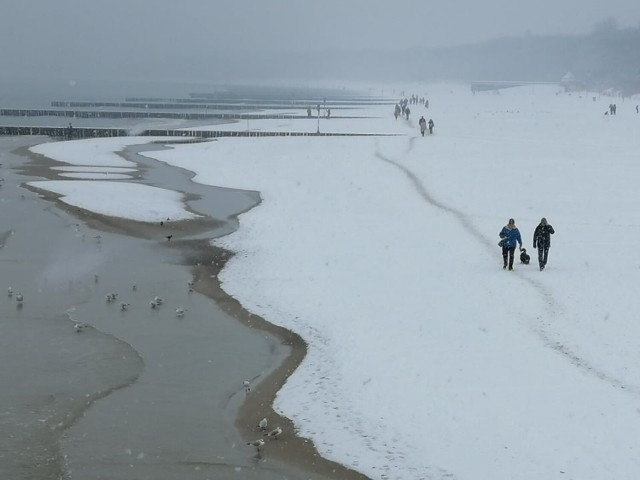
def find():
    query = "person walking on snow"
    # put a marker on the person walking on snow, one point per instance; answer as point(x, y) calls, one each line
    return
point(542, 241)
point(431, 125)
point(423, 125)
point(510, 237)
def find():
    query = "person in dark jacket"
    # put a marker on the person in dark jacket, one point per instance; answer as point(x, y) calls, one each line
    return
point(423, 125)
point(509, 238)
point(431, 125)
point(542, 241)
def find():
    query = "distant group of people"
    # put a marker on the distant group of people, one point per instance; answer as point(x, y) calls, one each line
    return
point(510, 238)
point(402, 107)
point(612, 109)
point(415, 100)
point(327, 114)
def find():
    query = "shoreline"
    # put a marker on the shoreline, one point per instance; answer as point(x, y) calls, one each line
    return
point(206, 261)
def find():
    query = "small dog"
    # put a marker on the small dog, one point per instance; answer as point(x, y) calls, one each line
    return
point(525, 257)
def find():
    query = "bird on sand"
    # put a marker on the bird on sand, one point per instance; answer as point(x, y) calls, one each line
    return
point(180, 312)
point(262, 424)
point(247, 386)
point(10, 292)
point(19, 298)
point(79, 327)
point(169, 237)
point(275, 433)
point(257, 443)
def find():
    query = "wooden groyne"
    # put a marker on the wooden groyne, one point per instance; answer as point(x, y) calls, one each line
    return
point(29, 112)
point(258, 103)
point(82, 132)
point(64, 132)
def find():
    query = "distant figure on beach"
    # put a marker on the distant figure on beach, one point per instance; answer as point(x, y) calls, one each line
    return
point(423, 125)
point(407, 112)
point(396, 112)
point(542, 241)
point(426, 103)
point(431, 125)
point(309, 112)
point(509, 238)
point(328, 113)
point(70, 131)
point(636, 108)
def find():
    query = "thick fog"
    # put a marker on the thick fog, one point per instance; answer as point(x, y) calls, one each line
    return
point(205, 40)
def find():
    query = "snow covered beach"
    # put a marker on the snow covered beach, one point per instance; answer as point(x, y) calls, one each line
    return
point(425, 358)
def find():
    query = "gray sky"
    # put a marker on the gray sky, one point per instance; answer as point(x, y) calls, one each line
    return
point(65, 33)
point(300, 24)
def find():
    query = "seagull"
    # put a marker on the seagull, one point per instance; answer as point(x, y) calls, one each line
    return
point(134, 287)
point(180, 312)
point(157, 300)
point(169, 237)
point(124, 306)
point(79, 327)
point(257, 443)
point(153, 304)
point(95, 278)
point(262, 424)
point(247, 386)
point(112, 297)
point(275, 433)
point(10, 292)
point(19, 298)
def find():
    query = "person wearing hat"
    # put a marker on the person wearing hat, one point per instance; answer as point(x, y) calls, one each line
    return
point(509, 238)
point(542, 241)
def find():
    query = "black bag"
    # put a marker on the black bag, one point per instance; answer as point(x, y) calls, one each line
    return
point(501, 243)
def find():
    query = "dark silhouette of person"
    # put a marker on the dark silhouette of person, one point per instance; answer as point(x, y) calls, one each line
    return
point(423, 125)
point(542, 241)
point(509, 238)
point(431, 125)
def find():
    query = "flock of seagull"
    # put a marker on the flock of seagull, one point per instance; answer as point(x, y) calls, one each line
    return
point(271, 435)
point(155, 303)
point(18, 296)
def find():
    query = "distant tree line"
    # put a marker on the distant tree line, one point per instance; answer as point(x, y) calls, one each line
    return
point(608, 57)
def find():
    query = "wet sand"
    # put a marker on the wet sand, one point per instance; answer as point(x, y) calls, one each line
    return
point(172, 403)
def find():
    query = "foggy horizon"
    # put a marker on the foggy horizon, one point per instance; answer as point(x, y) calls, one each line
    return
point(203, 41)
